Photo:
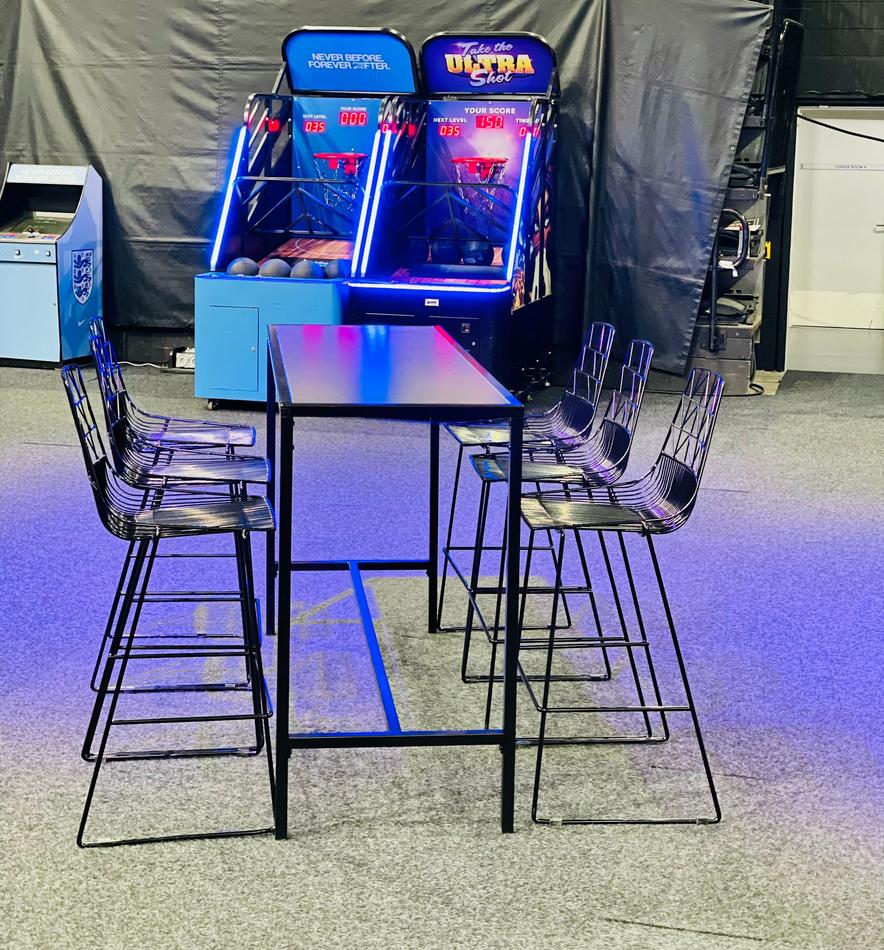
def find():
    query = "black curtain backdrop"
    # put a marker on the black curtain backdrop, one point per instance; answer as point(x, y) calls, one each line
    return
point(150, 92)
point(675, 78)
point(843, 52)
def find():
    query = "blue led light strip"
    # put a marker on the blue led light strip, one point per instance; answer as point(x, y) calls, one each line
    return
point(517, 219)
point(231, 178)
point(388, 136)
point(357, 247)
point(432, 289)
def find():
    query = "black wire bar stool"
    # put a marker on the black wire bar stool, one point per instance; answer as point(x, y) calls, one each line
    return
point(659, 503)
point(155, 466)
point(151, 463)
point(171, 513)
point(566, 423)
point(167, 430)
point(598, 461)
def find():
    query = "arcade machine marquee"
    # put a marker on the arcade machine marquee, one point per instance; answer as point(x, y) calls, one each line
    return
point(50, 262)
point(459, 226)
point(299, 182)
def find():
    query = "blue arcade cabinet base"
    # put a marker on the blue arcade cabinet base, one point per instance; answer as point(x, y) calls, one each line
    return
point(231, 317)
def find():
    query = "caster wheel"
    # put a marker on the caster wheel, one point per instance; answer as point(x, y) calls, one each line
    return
point(213, 404)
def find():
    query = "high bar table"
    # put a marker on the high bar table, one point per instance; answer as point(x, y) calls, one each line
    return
point(382, 372)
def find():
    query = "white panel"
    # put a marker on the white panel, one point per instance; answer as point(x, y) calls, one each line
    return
point(48, 174)
point(836, 278)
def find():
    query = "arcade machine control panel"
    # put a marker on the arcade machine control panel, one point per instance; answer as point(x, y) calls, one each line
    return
point(297, 189)
point(460, 224)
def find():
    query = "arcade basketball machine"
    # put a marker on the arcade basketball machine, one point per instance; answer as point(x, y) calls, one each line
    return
point(297, 189)
point(459, 226)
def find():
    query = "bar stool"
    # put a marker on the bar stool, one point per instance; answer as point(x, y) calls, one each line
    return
point(563, 424)
point(659, 503)
point(170, 513)
point(167, 430)
point(153, 462)
point(156, 465)
point(599, 459)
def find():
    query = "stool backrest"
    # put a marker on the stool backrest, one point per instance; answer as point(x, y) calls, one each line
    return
point(113, 394)
point(675, 478)
point(592, 363)
point(578, 406)
point(96, 328)
point(612, 442)
point(98, 467)
point(626, 400)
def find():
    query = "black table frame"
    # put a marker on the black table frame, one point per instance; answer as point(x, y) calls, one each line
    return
point(280, 567)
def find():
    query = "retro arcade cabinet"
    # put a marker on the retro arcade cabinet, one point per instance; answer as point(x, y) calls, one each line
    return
point(460, 223)
point(296, 190)
point(50, 262)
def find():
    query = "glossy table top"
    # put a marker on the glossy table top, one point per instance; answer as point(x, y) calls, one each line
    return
point(383, 371)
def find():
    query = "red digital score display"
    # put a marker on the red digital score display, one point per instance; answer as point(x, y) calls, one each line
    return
point(314, 125)
point(449, 131)
point(352, 117)
point(489, 121)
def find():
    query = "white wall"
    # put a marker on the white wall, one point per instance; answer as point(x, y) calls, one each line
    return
point(836, 276)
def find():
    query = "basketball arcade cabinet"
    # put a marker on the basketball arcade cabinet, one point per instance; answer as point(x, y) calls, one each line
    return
point(298, 186)
point(459, 227)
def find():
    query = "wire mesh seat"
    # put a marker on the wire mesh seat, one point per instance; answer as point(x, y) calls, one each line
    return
point(144, 519)
point(568, 422)
point(170, 431)
point(659, 503)
point(153, 462)
point(567, 419)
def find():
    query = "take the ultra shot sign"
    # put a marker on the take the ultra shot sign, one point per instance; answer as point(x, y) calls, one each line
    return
point(491, 65)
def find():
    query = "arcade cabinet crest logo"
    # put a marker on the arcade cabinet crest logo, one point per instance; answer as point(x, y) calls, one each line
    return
point(82, 270)
point(488, 64)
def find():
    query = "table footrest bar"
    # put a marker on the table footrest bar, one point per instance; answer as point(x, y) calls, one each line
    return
point(374, 649)
point(180, 653)
point(355, 740)
point(186, 688)
point(369, 564)
point(156, 720)
point(143, 755)
point(592, 740)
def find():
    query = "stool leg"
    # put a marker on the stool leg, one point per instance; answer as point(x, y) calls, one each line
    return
point(549, 541)
point(249, 636)
point(643, 636)
point(474, 575)
point(118, 617)
point(584, 564)
point(687, 689)
point(624, 629)
point(496, 628)
point(109, 626)
point(544, 705)
point(130, 597)
point(448, 535)
point(259, 679)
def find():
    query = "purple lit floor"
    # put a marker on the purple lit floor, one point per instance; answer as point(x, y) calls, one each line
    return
point(776, 584)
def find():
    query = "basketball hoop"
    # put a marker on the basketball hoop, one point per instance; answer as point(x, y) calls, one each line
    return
point(339, 172)
point(341, 164)
point(484, 170)
point(474, 174)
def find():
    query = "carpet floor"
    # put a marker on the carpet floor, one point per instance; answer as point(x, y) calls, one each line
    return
point(776, 586)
